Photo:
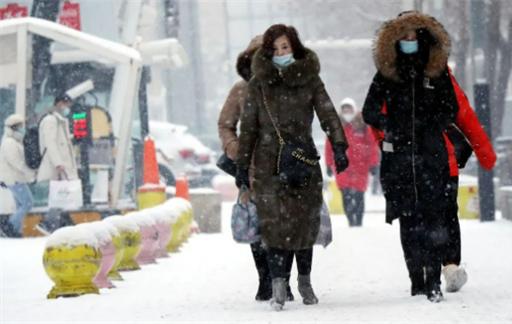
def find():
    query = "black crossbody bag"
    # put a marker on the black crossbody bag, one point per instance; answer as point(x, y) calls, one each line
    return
point(296, 160)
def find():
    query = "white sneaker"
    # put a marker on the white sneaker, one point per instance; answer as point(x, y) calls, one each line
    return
point(455, 277)
point(43, 229)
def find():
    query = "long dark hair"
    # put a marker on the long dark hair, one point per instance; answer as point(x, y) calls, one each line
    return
point(278, 30)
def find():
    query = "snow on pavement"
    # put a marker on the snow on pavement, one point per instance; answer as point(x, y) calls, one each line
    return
point(360, 277)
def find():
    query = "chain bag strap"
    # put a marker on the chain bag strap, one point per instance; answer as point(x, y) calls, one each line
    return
point(282, 142)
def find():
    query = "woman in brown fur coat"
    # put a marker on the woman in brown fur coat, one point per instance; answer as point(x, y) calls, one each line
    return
point(227, 125)
point(283, 96)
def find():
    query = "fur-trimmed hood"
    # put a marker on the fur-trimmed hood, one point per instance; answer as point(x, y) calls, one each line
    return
point(384, 47)
point(296, 74)
point(244, 60)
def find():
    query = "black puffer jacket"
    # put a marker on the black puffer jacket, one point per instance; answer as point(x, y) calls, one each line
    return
point(411, 104)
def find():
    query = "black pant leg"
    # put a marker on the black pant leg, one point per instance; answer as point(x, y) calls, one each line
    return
point(412, 237)
point(277, 262)
point(436, 242)
point(359, 198)
point(349, 206)
point(289, 265)
point(304, 261)
point(259, 255)
point(452, 253)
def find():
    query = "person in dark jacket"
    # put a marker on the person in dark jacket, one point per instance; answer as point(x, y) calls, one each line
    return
point(283, 96)
point(227, 125)
point(412, 103)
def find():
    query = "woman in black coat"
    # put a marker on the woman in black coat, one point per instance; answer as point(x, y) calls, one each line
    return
point(414, 105)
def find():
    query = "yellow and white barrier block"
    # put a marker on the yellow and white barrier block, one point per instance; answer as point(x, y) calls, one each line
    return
point(72, 259)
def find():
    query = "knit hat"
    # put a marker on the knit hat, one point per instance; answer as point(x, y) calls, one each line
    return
point(349, 102)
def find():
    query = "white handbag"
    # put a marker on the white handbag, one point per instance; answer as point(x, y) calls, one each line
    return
point(65, 194)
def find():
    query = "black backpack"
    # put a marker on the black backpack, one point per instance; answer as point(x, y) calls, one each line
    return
point(33, 156)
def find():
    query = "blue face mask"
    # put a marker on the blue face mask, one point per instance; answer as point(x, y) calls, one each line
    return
point(21, 131)
point(409, 47)
point(283, 60)
point(65, 112)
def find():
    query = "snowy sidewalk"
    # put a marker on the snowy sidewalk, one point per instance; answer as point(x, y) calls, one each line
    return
point(361, 277)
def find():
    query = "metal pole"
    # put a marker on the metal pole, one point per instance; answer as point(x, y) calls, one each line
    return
point(138, 147)
point(143, 102)
point(418, 5)
point(124, 130)
point(196, 62)
point(85, 171)
point(41, 56)
point(228, 41)
point(485, 178)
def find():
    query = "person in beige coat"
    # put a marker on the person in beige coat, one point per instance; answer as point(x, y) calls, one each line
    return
point(58, 155)
point(15, 174)
point(58, 162)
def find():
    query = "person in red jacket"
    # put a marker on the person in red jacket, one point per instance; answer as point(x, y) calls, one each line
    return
point(363, 154)
point(414, 104)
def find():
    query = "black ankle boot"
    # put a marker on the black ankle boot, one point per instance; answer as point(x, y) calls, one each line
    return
point(417, 282)
point(264, 290)
point(265, 282)
point(433, 283)
point(434, 293)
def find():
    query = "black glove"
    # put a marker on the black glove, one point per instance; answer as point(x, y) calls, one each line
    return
point(340, 157)
point(242, 177)
point(3, 185)
point(329, 171)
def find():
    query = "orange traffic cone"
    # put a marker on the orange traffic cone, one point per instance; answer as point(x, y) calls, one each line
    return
point(151, 193)
point(182, 188)
point(150, 172)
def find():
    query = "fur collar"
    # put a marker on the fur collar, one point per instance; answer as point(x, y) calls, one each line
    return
point(297, 74)
point(384, 52)
point(244, 60)
point(243, 64)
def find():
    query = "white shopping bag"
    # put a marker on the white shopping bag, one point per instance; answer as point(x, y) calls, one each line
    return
point(7, 203)
point(65, 194)
point(100, 189)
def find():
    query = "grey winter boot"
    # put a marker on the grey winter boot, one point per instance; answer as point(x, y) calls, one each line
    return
point(278, 293)
point(306, 291)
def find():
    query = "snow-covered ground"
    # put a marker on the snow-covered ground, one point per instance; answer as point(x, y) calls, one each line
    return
point(361, 277)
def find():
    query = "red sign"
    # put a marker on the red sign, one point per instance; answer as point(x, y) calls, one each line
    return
point(13, 10)
point(70, 15)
